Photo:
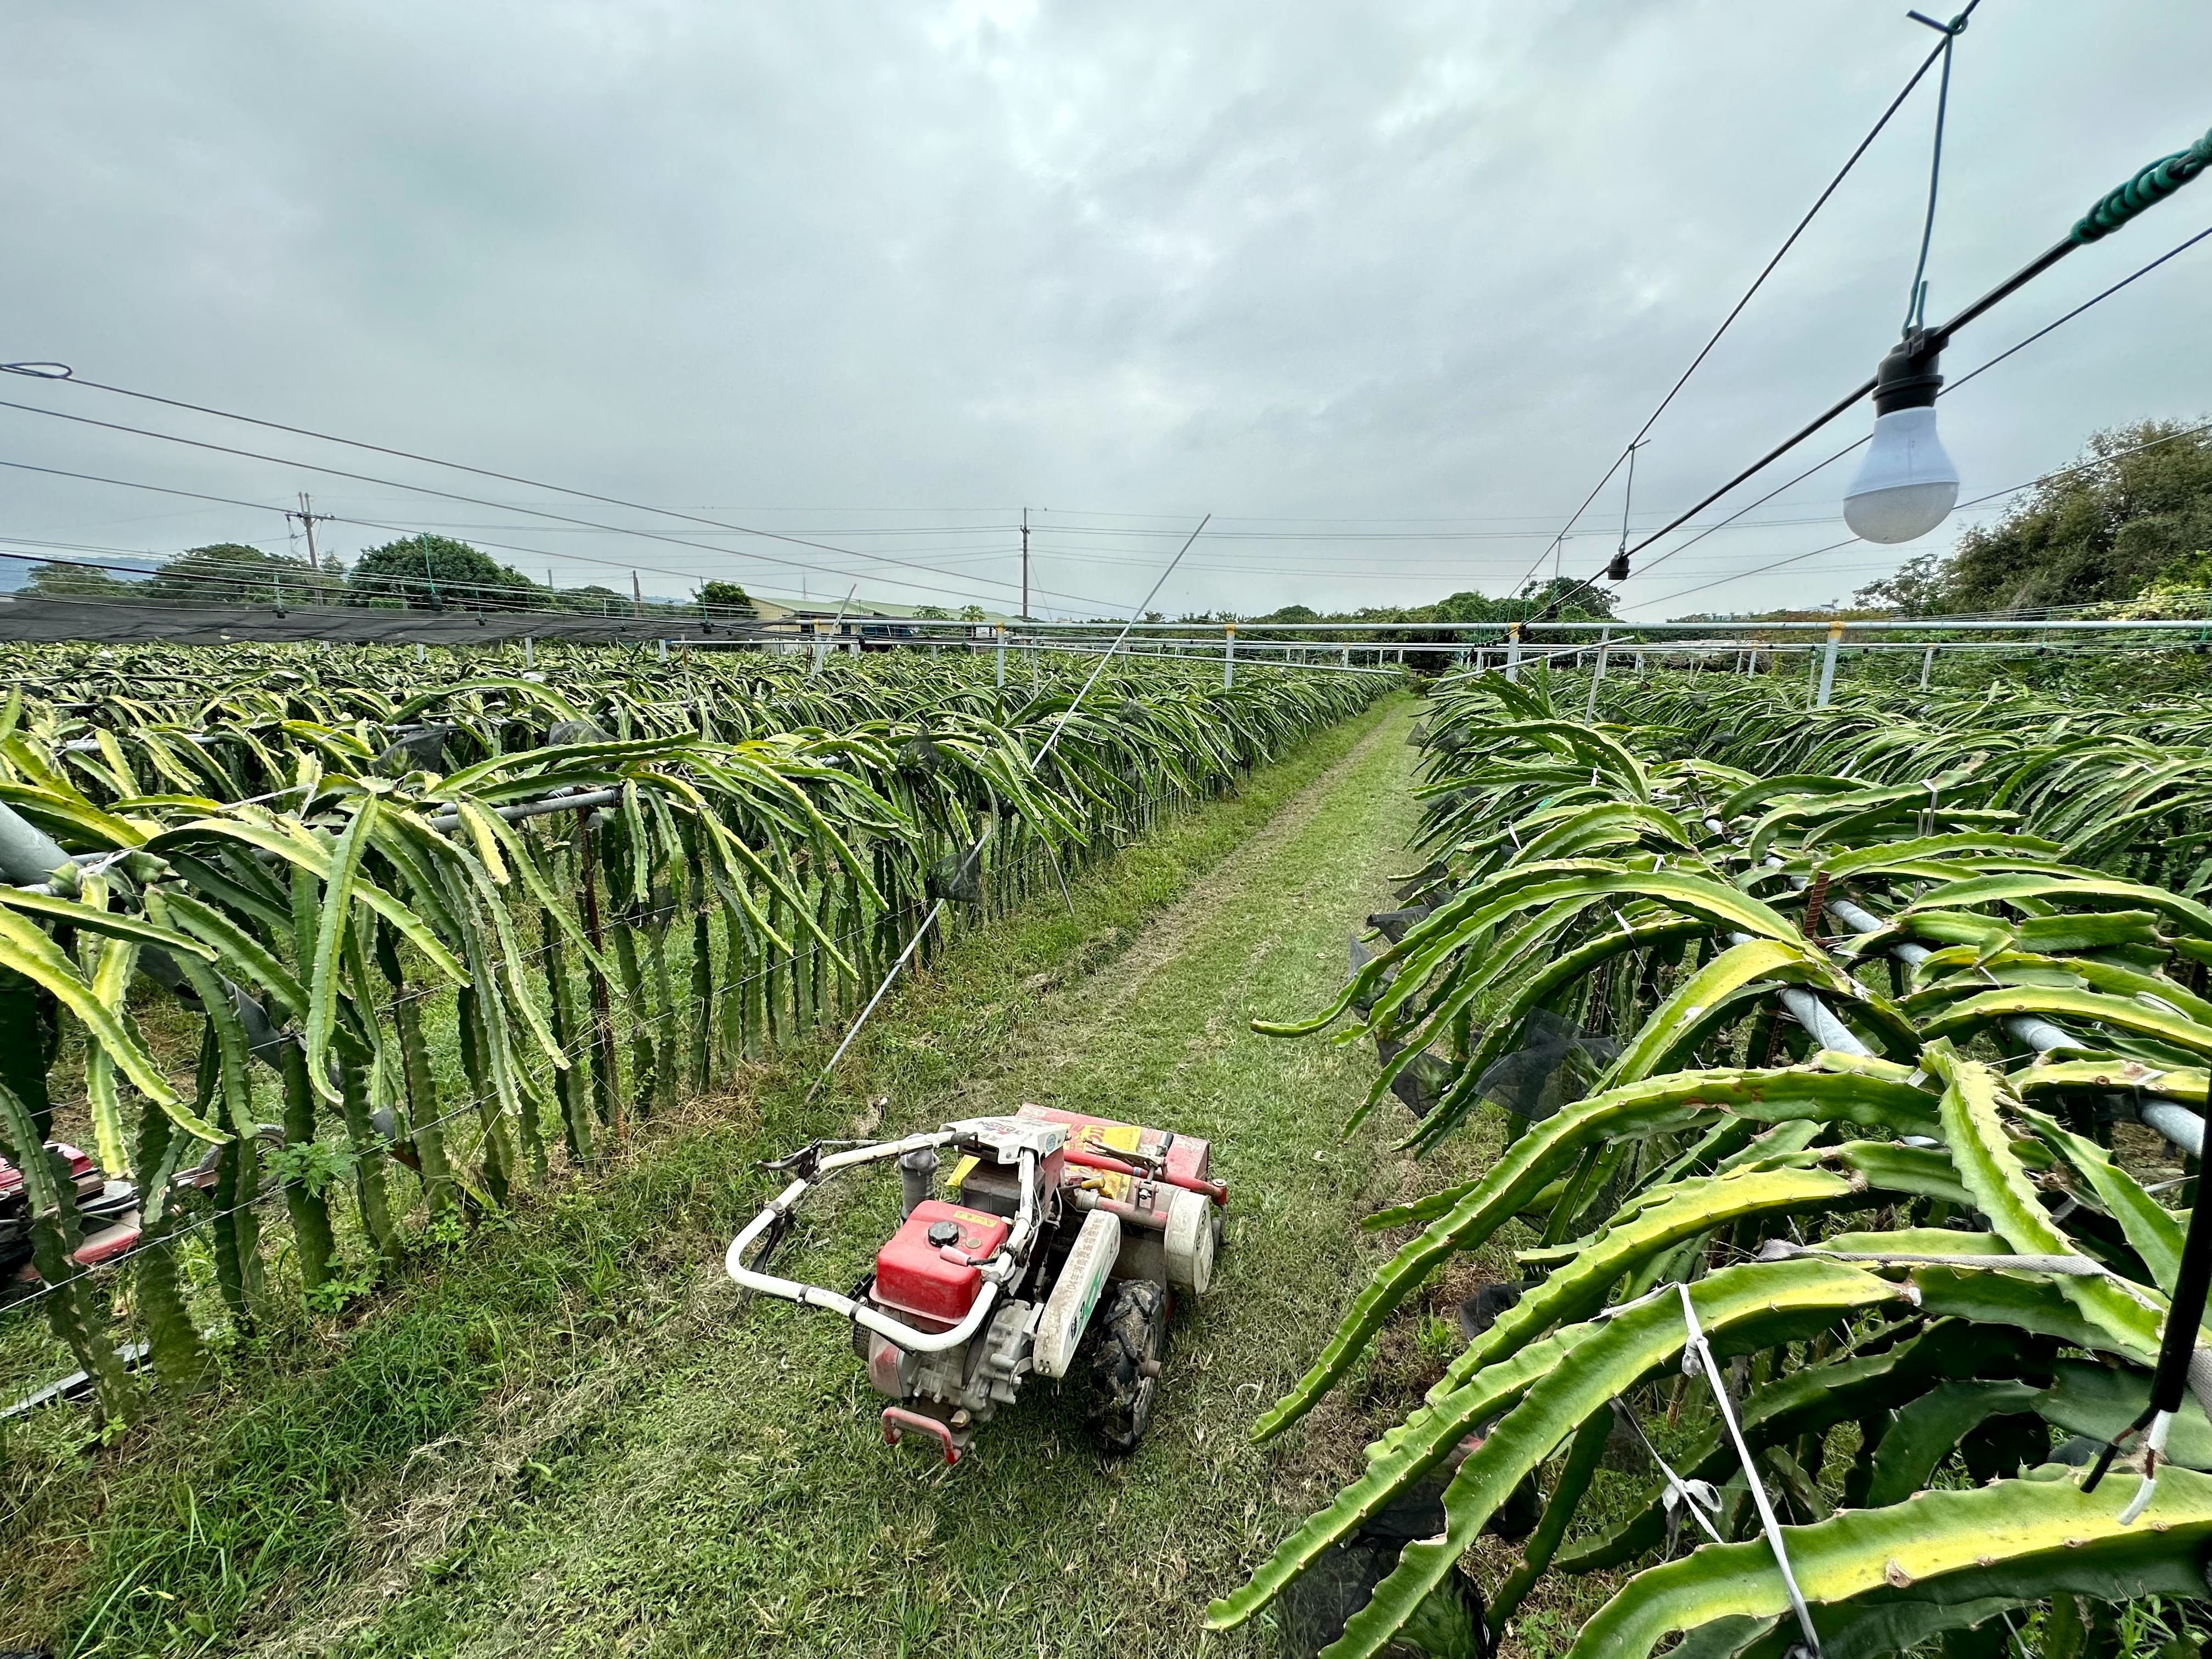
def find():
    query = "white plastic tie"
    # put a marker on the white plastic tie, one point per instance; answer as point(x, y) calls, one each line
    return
point(1711, 1371)
point(2154, 1449)
point(1693, 1497)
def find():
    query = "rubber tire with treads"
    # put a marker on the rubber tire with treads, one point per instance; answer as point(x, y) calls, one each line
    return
point(1131, 1329)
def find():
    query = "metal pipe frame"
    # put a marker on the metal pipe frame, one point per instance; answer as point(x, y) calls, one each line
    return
point(813, 1296)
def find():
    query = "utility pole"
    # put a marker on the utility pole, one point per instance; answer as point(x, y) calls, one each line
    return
point(636, 595)
point(308, 518)
point(1026, 564)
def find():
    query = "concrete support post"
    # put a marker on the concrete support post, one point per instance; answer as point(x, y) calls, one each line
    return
point(1228, 655)
point(1828, 665)
point(1926, 665)
point(1598, 674)
point(1513, 651)
point(1001, 632)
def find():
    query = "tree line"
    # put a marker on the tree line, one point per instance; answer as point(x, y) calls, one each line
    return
point(2131, 520)
point(418, 573)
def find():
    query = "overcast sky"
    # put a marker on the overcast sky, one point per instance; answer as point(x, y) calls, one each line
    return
point(1385, 288)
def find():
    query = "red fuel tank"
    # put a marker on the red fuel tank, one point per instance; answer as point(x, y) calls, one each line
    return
point(925, 1268)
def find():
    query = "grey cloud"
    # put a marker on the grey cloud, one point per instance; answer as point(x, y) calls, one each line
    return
point(850, 267)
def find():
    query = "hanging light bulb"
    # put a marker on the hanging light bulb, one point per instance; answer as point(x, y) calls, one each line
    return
point(1906, 485)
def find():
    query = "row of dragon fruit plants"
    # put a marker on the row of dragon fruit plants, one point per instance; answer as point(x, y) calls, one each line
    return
point(1844, 1056)
point(305, 955)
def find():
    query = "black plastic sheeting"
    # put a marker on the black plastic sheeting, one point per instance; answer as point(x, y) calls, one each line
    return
point(100, 622)
point(1554, 1067)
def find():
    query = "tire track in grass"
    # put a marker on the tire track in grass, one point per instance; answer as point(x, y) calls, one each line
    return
point(732, 1496)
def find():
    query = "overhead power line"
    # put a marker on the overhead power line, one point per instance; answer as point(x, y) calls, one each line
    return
point(1980, 501)
point(2010, 285)
point(1756, 282)
point(559, 518)
point(380, 526)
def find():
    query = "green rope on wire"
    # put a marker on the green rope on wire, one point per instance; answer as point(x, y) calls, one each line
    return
point(2153, 185)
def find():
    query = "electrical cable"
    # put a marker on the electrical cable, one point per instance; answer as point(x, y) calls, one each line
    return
point(2020, 345)
point(1970, 374)
point(1915, 303)
point(1789, 241)
point(2147, 187)
point(559, 518)
point(1995, 494)
point(410, 530)
point(2180, 247)
point(69, 376)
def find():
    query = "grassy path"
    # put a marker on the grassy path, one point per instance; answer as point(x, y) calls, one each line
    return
point(645, 1465)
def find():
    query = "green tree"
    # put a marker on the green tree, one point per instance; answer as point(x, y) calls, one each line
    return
point(2142, 502)
point(1915, 588)
point(974, 613)
point(233, 573)
point(727, 599)
point(436, 573)
point(78, 581)
point(1576, 602)
point(595, 597)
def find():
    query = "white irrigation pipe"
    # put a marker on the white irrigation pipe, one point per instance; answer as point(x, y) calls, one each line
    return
point(1857, 625)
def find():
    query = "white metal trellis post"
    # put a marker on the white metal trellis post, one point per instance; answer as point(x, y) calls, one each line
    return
point(1828, 665)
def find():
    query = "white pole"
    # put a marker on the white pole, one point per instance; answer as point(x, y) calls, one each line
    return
point(528, 658)
point(1229, 656)
point(1589, 713)
point(1927, 663)
point(1513, 651)
point(1002, 631)
point(1828, 665)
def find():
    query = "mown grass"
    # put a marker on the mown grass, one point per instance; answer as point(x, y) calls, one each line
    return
point(568, 1436)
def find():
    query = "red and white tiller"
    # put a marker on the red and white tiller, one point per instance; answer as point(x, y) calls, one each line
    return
point(1051, 1225)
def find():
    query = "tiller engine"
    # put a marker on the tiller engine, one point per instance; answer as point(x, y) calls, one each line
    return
point(1051, 1225)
